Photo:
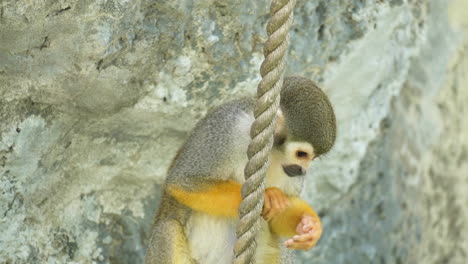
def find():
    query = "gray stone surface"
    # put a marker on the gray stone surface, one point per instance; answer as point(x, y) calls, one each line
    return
point(96, 97)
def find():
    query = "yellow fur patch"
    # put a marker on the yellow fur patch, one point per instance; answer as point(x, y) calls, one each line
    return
point(220, 199)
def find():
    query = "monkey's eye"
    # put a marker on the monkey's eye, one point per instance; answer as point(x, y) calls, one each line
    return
point(301, 154)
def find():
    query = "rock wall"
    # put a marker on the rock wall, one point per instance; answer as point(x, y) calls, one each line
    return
point(96, 97)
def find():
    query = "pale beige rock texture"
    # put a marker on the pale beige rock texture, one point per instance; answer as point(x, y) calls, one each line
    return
point(96, 97)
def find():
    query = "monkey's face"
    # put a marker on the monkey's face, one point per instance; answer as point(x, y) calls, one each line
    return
point(305, 127)
point(298, 156)
point(293, 158)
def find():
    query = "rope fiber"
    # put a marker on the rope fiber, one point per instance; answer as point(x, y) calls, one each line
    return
point(261, 133)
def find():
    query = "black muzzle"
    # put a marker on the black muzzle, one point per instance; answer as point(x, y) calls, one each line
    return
point(294, 170)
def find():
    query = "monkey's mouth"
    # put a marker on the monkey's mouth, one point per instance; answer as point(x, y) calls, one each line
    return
point(294, 170)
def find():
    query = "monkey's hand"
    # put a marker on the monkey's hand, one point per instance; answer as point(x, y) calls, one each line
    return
point(275, 203)
point(300, 222)
point(308, 231)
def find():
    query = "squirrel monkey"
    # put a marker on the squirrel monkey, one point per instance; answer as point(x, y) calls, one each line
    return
point(197, 217)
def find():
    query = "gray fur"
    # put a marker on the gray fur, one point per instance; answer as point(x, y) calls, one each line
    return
point(215, 147)
point(168, 225)
point(308, 114)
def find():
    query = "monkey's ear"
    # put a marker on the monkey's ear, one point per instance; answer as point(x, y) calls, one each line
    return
point(280, 129)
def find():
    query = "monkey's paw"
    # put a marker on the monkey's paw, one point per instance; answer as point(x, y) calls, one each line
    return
point(275, 203)
point(308, 231)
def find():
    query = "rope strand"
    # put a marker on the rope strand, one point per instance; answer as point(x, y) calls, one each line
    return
point(268, 99)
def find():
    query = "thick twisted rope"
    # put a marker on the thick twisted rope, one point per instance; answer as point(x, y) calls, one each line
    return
point(268, 99)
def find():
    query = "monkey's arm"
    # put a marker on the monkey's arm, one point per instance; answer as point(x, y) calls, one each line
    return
point(285, 223)
point(168, 244)
point(220, 198)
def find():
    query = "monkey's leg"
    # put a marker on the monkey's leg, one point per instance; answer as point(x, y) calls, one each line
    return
point(220, 198)
point(168, 244)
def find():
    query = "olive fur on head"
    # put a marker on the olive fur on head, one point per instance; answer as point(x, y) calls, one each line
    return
point(308, 113)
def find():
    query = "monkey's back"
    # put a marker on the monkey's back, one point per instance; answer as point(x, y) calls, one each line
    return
point(215, 147)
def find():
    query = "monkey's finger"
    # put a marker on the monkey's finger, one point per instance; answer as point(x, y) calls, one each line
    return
point(288, 242)
point(277, 198)
point(264, 214)
point(302, 245)
point(310, 223)
point(307, 219)
point(267, 211)
point(275, 202)
point(272, 213)
point(291, 244)
point(266, 207)
point(284, 202)
point(305, 229)
point(309, 227)
point(304, 226)
point(281, 198)
point(267, 215)
point(305, 242)
point(266, 203)
point(304, 237)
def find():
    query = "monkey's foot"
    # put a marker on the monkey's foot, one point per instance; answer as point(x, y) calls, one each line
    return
point(275, 203)
point(308, 231)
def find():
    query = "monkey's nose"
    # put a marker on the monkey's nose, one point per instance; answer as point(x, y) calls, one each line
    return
point(294, 170)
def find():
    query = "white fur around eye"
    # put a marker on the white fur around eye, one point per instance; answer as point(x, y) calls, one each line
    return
point(292, 148)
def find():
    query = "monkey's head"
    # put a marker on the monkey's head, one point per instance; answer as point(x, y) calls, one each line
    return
point(306, 125)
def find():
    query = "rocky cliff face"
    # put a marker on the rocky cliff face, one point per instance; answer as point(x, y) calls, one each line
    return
point(96, 97)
